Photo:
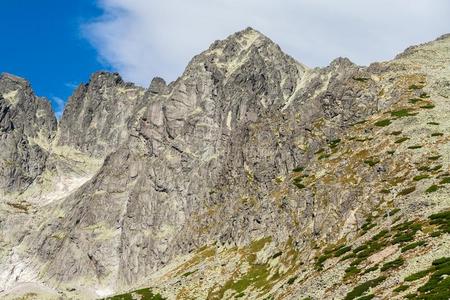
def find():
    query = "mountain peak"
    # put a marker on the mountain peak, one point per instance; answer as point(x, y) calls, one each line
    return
point(13, 79)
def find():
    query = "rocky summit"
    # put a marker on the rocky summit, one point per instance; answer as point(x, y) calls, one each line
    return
point(251, 176)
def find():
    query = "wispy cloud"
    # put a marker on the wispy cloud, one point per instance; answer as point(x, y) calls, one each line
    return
point(71, 85)
point(146, 38)
point(58, 106)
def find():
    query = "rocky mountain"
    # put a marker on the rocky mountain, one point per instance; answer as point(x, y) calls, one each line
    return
point(251, 176)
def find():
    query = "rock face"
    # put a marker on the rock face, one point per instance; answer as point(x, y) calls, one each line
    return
point(27, 125)
point(96, 116)
point(246, 157)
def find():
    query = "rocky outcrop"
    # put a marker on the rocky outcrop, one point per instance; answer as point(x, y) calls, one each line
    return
point(96, 116)
point(244, 145)
point(27, 125)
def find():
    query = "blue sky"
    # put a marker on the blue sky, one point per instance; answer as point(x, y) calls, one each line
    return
point(42, 42)
point(57, 44)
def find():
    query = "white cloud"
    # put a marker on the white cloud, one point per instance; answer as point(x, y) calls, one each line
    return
point(58, 106)
point(146, 38)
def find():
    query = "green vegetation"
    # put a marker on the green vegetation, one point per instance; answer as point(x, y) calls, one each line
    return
point(351, 271)
point(321, 150)
point(342, 250)
point(188, 273)
point(393, 264)
point(371, 269)
point(442, 220)
point(424, 95)
point(437, 134)
point(334, 143)
point(414, 100)
point(433, 158)
point(418, 275)
point(415, 87)
point(396, 133)
point(143, 294)
point(406, 232)
point(383, 123)
point(436, 168)
point(297, 181)
point(401, 288)
point(277, 255)
point(432, 189)
point(385, 191)
point(415, 147)
point(406, 191)
point(406, 112)
point(361, 79)
point(298, 169)
point(445, 180)
point(323, 156)
point(428, 106)
point(420, 177)
point(292, 280)
point(433, 123)
point(413, 245)
point(401, 140)
point(391, 152)
point(257, 276)
point(368, 225)
point(438, 285)
point(372, 162)
point(364, 287)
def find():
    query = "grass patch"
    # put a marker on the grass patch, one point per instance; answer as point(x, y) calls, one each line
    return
point(342, 251)
point(401, 288)
point(437, 134)
point(143, 294)
point(428, 106)
point(434, 158)
point(421, 177)
point(413, 245)
point(441, 219)
point(297, 181)
point(415, 87)
point(372, 162)
point(406, 112)
point(433, 123)
point(383, 123)
point(418, 275)
point(334, 143)
point(298, 169)
point(371, 269)
point(438, 285)
point(445, 180)
point(364, 287)
point(414, 100)
point(406, 191)
point(277, 255)
point(323, 156)
point(401, 140)
point(432, 189)
point(360, 79)
point(292, 280)
point(393, 264)
point(415, 147)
